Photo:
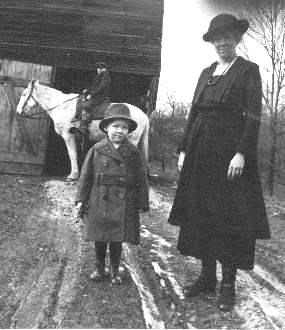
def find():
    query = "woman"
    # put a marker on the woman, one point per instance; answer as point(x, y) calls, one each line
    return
point(219, 204)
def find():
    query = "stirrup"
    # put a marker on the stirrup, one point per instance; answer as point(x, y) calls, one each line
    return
point(74, 120)
point(73, 130)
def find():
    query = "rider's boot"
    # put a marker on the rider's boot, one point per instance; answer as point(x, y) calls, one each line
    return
point(83, 128)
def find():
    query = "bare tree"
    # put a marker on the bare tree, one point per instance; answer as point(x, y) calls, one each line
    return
point(267, 27)
point(167, 125)
point(174, 107)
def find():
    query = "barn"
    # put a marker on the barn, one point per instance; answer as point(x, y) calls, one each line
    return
point(58, 42)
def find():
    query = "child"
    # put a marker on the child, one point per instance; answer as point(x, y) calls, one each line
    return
point(113, 180)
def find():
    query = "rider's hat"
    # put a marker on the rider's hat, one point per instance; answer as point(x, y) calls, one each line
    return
point(117, 111)
point(101, 65)
point(224, 23)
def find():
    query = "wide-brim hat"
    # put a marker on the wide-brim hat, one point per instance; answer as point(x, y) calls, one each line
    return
point(224, 23)
point(117, 111)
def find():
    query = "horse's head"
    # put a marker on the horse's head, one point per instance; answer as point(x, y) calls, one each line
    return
point(27, 100)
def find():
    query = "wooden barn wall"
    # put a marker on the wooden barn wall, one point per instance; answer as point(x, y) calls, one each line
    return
point(76, 33)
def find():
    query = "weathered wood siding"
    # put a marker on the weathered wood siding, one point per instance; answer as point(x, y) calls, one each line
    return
point(76, 33)
point(23, 142)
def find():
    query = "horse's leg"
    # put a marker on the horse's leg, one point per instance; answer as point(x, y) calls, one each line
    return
point(84, 148)
point(72, 152)
point(144, 143)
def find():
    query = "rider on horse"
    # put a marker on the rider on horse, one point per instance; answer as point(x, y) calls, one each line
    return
point(92, 104)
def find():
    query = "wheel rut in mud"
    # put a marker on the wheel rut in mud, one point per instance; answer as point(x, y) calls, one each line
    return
point(46, 266)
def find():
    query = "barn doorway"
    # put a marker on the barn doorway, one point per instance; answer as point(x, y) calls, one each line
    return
point(129, 88)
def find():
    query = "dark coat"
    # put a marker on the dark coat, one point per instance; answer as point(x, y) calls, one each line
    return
point(213, 135)
point(115, 184)
point(100, 88)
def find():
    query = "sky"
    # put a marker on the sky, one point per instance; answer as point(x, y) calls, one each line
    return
point(184, 53)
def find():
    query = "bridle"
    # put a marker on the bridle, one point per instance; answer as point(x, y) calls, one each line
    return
point(24, 114)
point(35, 115)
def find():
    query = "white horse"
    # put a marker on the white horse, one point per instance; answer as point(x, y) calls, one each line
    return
point(61, 109)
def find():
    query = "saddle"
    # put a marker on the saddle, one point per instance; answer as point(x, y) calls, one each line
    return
point(99, 111)
point(92, 109)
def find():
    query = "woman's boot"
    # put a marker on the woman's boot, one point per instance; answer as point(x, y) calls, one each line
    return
point(115, 258)
point(206, 282)
point(100, 255)
point(227, 291)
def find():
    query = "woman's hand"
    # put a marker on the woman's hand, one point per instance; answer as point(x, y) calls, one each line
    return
point(181, 160)
point(236, 166)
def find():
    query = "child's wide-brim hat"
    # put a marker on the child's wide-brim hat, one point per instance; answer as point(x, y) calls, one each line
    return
point(224, 23)
point(117, 111)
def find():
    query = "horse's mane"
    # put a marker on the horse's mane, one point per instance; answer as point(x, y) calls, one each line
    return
point(59, 93)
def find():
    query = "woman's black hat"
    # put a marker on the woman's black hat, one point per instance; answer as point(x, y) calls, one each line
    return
point(224, 23)
point(117, 111)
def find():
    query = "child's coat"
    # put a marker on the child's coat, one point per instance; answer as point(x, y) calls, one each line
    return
point(115, 184)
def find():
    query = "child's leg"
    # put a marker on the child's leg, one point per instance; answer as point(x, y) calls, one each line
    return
point(100, 255)
point(115, 258)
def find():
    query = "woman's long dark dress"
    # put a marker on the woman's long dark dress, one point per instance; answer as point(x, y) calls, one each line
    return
point(218, 216)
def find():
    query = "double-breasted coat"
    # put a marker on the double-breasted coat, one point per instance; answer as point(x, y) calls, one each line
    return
point(114, 182)
point(224, 120)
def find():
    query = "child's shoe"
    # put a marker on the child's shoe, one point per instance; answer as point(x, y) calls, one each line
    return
point(116, 279)
point(99, 273)
point(115, 258)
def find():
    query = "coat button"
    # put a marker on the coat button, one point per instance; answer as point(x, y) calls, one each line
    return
point(121, 195)
point(122, 165)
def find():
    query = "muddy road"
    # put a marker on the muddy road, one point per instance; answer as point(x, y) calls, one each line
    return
point(45, 264)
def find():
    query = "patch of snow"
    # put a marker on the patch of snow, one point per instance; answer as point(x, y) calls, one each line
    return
point(272, 305)
point(170, 276)
point(152, 317)
point(158, 201)
point(271, 279)
point(159, 240)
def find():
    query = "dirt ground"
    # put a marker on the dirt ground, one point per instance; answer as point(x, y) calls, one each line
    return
point(45, 266)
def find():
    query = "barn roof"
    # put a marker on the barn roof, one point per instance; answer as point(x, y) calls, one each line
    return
point(77, 33)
